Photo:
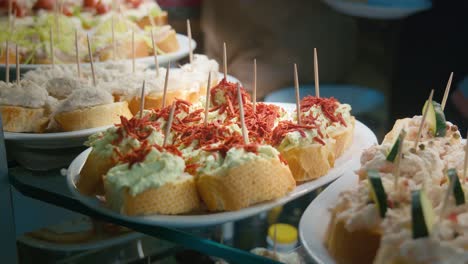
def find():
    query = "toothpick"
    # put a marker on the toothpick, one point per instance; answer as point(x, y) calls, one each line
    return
point(298, 100)
point(10, 15)
point(169, 124)
point(316, 74)
point(155, 54)
point(423, 120)
point(18, 74)
point(77, 54)
point(7, 61)
point(465, 164)
point(207, 102)
point(56, 18)
point(142, 99)
point(225, 60)
point(189, 33)
point(447, 90)
point(133, 51)
point(166, 81)
point(151, 18)
point(245, 134)
point(396, 170)
point(254, 94)
point(114, 46)
point(51, 38)
point(90, 54)
point(444, 205)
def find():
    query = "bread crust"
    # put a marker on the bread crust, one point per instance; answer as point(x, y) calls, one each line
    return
point(310, 162)
point(96, 116)
point(90, 181)
point(169, 199)
point(160, 20)
point(169, 42)
point(155, 101)
point(344, 138)
point(22, 119)
point(251, 183)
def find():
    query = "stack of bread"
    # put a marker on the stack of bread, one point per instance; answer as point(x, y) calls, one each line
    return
point(409, 205)
point(54, 99)
point(211, 165)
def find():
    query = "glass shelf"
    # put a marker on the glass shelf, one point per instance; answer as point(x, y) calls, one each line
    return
point(50, 187)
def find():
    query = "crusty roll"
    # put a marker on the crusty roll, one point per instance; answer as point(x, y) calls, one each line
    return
point(22, 119)
point(168, 42)
point(154, 101)
point(159, 20)
point(96, 116)
point(310, 162)
point(250, 183)
point(90, 180)
point(359, 246)
point(343, 138)
point(171, 198)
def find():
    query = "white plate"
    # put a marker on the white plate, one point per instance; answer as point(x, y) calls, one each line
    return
point(377, 11)
point(315, 220)
point(363, 138)
point(163, 59)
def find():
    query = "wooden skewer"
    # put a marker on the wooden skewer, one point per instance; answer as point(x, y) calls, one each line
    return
point(18, 73)
point(316, 74)
point(133, 51)
point(10, 15)
point(166, 81)
point(298, 100)
point(189, 33)
point(447, 90)
point(225, 60)
point(90, 54)
point(169, 124)
point(56, 18)
point(77, 54)
point(207, 102)
point(254, 94)
point(156, 63)
point(114, 46)
point(465, 164)
point(7, 61)
point(142, 99)
point(396, 170)
point(423, 120)
point(245, 134)
point(151, 18)
point(51, 38)
point(443, 209)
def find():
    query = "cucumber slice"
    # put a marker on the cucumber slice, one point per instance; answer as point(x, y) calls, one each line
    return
point(436, 119)
point(391, 156)
point(422, 214)
point(377, 191)
point(458, 192)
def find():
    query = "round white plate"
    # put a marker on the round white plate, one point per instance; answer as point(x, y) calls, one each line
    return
point(363, 138)
point(377, 11)
point(163, 59)
point(315, 220)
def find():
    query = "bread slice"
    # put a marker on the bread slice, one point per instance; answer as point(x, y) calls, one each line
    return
point(359, 246)
point(155, 101)
point(90, 181)
point(250, 183)
point(124, 50)
point(171, 198)
point(310, 162)
point(168, 42)
point(96, 116)
point(160, 20)
point(22, 119)
point(343, 138)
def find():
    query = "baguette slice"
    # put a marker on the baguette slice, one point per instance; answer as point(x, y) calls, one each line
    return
point(310, 162)
point(96, 116)
point(124, 50)
point(160, 20)
point(343, 138)
point(359, 246)
point(90, 182)
point(155, 101)
point(171, 198)
point(168, 42)
point(22, 119)
point(250, 183)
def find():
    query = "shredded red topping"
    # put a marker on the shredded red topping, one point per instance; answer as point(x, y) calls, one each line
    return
point(229, 91)
point(138, 128)
point(136, 155)
point(261, 123)
point(327, 105)
point(453, 217)
point(285, 127)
